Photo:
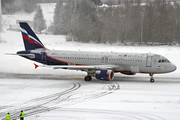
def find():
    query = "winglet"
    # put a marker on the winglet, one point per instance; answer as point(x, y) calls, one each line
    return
point(36, 66)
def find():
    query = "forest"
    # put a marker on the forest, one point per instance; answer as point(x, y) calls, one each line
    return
point(130, 22)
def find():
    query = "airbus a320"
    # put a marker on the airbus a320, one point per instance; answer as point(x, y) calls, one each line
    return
point(101, 65)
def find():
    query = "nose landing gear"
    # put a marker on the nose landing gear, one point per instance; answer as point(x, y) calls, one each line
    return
point(151, 79)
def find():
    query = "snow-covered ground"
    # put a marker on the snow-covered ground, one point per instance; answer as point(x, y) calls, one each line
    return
point(70, 97)
point(124, 98)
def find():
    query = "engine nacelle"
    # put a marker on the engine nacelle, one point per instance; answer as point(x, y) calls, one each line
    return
point(128, 73)
point(104, 75)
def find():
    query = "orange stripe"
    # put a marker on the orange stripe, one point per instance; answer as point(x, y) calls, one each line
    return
point(109, 76)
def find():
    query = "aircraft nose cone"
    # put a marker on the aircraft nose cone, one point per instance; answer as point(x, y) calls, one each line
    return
point(173, 67)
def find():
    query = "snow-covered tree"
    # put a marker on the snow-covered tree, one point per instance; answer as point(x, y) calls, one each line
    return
point(13, 6)
point(86, 21)
point(59, 17)
point(39, 21)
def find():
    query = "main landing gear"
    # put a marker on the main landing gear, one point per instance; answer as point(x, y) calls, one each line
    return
point(87, 78)
point(151, 79)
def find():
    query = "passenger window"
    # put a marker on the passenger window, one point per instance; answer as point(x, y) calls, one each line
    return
point(159, 61)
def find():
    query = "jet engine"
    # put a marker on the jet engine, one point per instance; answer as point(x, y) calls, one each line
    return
point(128, 73)
point(106, 75)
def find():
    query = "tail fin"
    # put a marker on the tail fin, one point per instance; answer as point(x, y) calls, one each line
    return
point(31, 41)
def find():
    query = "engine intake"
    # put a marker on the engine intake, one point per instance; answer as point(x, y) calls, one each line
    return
point(104, 75)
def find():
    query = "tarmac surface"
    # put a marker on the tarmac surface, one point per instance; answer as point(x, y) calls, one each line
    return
point(45, 97)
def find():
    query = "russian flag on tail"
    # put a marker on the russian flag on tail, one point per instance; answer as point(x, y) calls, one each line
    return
point(31, 41)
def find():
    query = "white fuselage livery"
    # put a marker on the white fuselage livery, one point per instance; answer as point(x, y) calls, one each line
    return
point(122, 62)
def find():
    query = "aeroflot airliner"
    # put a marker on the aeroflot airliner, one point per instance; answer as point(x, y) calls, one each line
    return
point(101, 65)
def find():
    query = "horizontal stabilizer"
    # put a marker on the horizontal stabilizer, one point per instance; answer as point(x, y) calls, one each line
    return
point(11, 54)
point(24, 55)
point(28, 55)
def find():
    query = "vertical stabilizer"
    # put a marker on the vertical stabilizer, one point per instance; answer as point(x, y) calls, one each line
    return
point(31, 41)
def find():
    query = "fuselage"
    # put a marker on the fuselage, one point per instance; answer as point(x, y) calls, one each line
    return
point(124, 62)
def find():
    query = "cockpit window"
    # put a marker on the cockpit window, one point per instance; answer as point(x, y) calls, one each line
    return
point(167, 61)
point(164, 61)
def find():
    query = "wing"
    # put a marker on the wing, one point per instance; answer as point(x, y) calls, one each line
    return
point(82, 68)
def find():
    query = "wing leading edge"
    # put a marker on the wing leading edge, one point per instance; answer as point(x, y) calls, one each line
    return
point(83, 68)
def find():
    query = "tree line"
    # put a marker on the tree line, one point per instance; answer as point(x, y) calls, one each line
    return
point(130, 22)
point(28, 6)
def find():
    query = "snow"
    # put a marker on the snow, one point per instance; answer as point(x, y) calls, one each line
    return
point(64, 95)
point(48, 99)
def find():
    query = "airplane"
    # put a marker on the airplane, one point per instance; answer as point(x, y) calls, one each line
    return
point(101, 65)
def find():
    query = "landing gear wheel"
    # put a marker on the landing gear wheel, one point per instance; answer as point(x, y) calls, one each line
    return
point(152, 80)
point(88, 78)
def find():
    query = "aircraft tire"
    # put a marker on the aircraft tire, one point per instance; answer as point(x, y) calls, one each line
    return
point(88, 78)
point(152, 80)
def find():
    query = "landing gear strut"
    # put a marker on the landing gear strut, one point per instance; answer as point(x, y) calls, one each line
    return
point(151, 79)
point(87, 78)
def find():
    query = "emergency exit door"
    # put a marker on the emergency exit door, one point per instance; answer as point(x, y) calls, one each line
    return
point(149, 61)
point(104, 59)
